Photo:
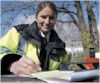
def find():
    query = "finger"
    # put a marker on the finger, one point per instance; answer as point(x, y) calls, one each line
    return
point(22, 75)
point(25, 71)
point(22, 64)
point(26, 61)
point(29, 69)
point(17, 68)
point(33, 70)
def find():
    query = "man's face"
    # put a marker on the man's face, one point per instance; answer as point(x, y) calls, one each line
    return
point(46, 19)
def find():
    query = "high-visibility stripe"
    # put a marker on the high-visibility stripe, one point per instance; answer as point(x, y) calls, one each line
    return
point(53, 64)
point(4, 51)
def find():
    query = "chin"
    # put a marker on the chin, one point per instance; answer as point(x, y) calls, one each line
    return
point(46, 31)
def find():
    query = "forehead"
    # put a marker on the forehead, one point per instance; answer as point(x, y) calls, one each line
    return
point(46, 11)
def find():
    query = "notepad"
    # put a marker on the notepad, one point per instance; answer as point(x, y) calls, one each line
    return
point(55, 74)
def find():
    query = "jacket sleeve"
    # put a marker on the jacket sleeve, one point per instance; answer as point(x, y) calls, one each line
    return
point(9, 43)
point(65, 60)
point(6, 62)
point(8, 48)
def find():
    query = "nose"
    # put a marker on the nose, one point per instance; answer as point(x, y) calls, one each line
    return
point(47, 20)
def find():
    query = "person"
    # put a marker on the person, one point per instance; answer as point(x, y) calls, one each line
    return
point(36, 47)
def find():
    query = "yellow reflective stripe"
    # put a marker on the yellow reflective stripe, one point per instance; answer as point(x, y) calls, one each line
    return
point(10, 40)
point(53, 65)
point(31, 52)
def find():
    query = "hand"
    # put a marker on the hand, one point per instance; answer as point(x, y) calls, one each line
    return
point(24, 66)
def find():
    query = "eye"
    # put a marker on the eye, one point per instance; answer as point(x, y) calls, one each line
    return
point(52, 18)
point(44, 17)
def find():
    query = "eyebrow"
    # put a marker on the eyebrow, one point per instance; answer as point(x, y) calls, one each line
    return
point(47, 16)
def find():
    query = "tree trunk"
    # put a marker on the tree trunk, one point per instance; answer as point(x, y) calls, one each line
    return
point(83, 28)
point(92, 26)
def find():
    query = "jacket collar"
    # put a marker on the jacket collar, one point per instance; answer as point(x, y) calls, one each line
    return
point(31, 33)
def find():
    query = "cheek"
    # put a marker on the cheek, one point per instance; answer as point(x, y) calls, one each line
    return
point(39, 22)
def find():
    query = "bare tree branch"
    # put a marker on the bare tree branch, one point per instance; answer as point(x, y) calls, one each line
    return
point(65, 10)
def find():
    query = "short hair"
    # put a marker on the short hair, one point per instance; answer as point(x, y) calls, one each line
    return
point(44, 4)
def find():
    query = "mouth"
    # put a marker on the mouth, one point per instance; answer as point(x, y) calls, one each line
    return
point(46, 27)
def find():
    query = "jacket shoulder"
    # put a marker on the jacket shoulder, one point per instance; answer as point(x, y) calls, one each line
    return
point(21, 27)
point(55, 37)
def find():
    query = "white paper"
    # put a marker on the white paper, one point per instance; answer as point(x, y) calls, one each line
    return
point(53, 76)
